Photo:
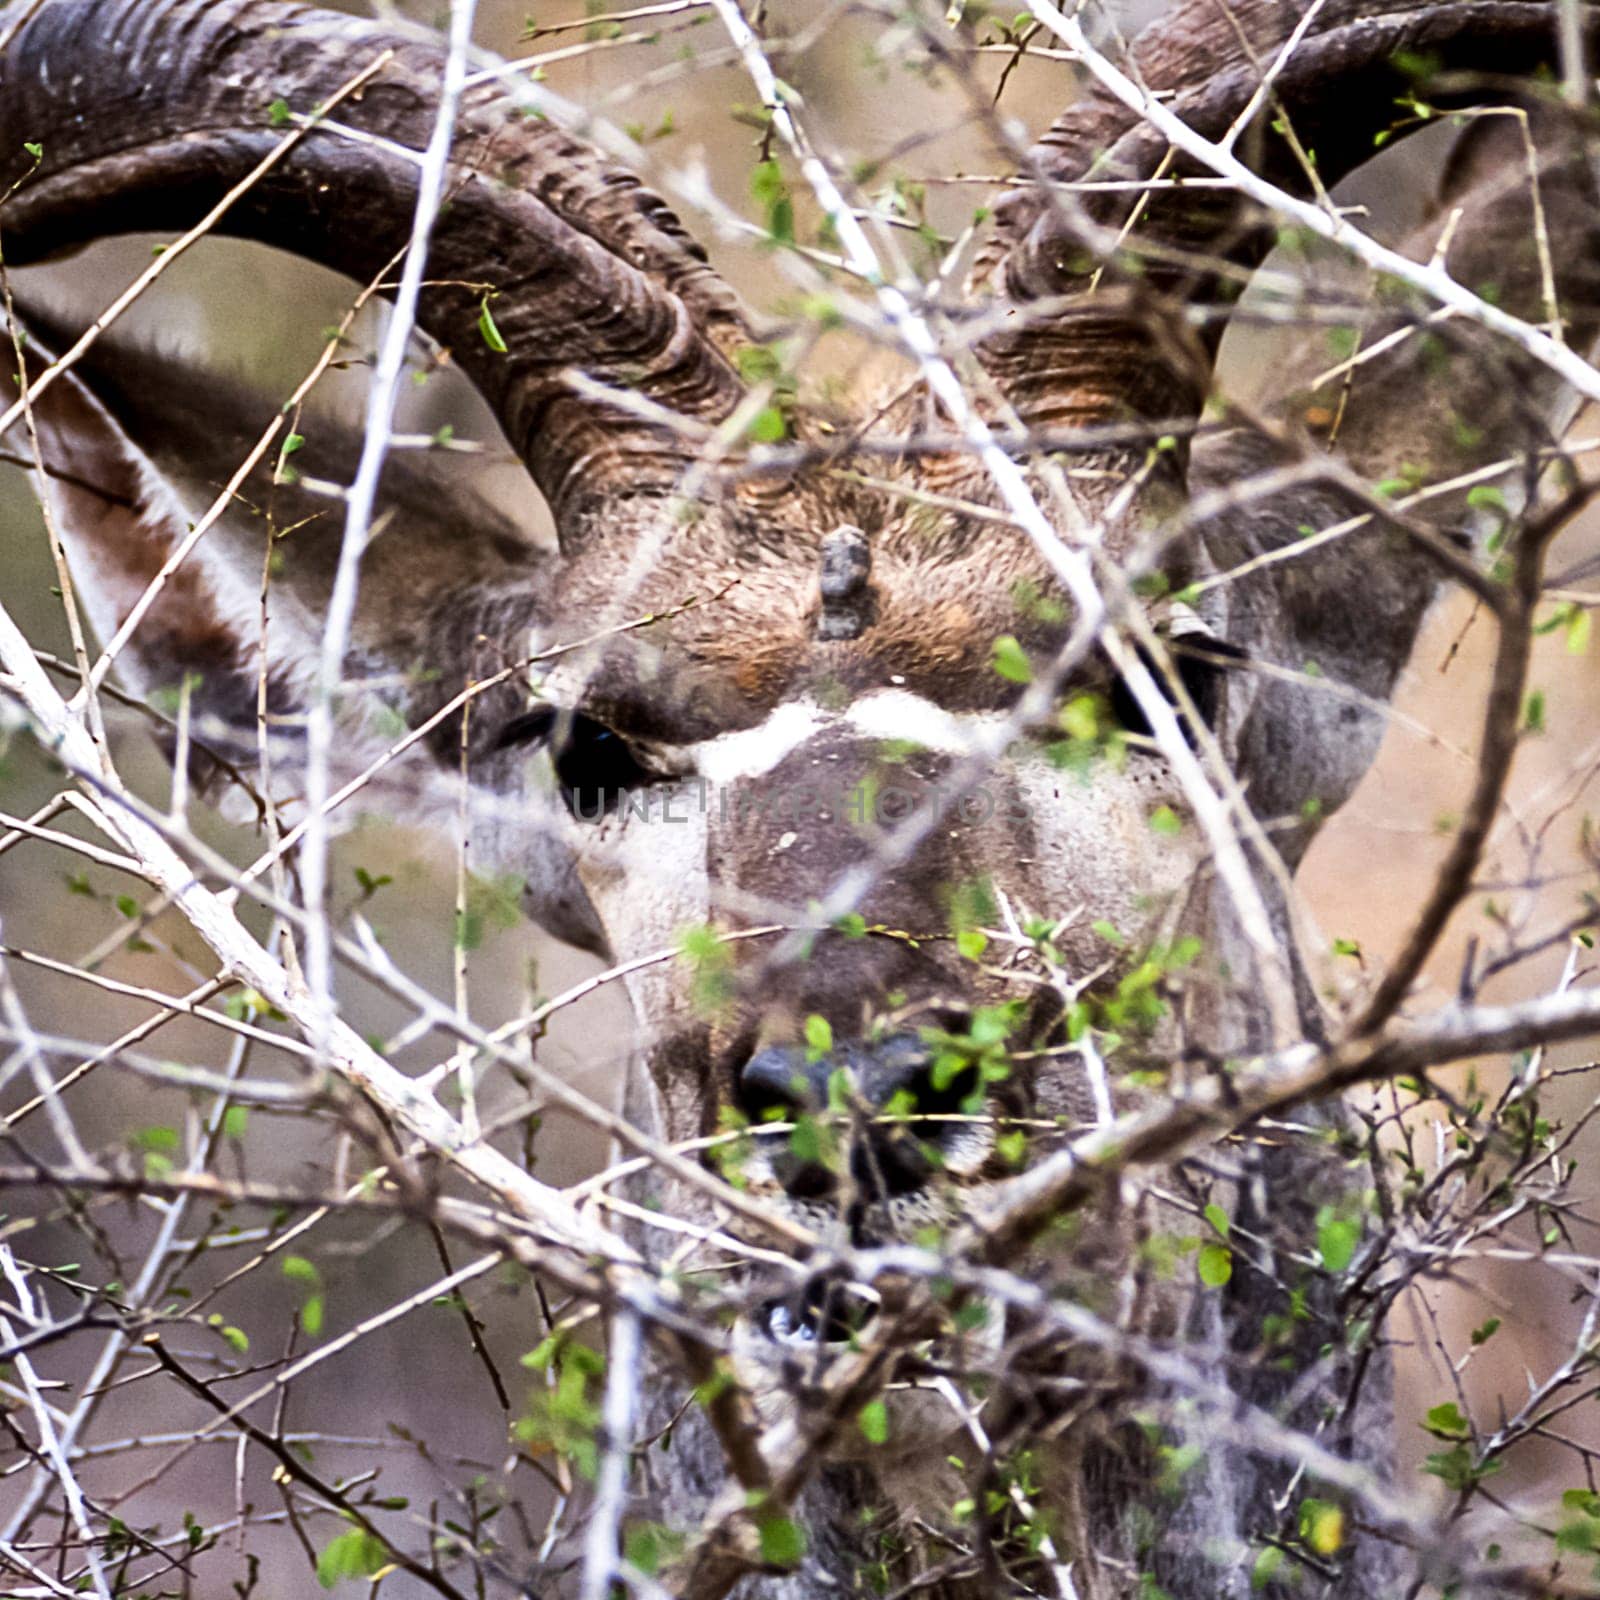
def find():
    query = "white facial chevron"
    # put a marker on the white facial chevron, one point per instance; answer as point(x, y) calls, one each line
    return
point(882, 714)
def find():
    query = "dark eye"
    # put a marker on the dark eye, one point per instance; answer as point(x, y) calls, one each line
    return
point(1200, 662)
point(594, 766)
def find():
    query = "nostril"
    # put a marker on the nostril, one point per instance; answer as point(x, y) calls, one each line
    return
point(944, 1086)
point(807, 1180)
point(925, 1089)
point(896, 1165)
point(936, 1100)
point(772, 1086)
point(778, 1085)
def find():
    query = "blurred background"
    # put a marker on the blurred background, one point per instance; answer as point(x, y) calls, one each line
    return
point(242, 309)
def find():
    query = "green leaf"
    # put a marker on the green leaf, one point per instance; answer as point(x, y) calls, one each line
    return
point(488, 329)
point(1337, 1238)
point(235, 1120)
point(1458, 1469)
point(34, 150)
point(712, 964)
point(647, 1545)
point(1218, 1218)
point(369, 883)
point(1165, 821)
point(250, 1004)
point(298, 1270)
point(491, 903)
point(824, 311)
point(1322, 1526)
point(1533, 713)
point(1341, 343)
point(356, 1554)
point(1483, 1334)
point(1265, 1567)
point(1447, 1422)
point(780, 221)
point(783, 1542)
point(1579, 627)
point(875, 1422)
point(278, 113)
point(768, 426)
point(812, 1142)
point(972, 942)
point(1581, 1536)
point(819, 1038)
point(1080, 717)
point(768, 187)
point(543, 1353)
point(758, 363)
point(283, 472)
point(1215, 1265)
point(1011, 660)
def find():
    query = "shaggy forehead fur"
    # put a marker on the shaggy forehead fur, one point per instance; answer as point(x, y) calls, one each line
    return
point(938, 596)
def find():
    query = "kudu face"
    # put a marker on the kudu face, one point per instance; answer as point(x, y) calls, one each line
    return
point(864, 814)
point(868, 823)
point(835, 759)
point(821, 685)
point(840, 763)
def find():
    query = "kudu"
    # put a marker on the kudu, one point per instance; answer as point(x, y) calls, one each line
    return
point(779, 745)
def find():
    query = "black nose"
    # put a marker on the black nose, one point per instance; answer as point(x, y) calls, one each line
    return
point(900, 1075)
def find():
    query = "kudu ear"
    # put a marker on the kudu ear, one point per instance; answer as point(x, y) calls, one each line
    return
point(119, 520)
point(136, 447)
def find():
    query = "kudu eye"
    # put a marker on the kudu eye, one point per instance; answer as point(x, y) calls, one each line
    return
point(823, 1312)
point(594, 766)
point(1200, 660)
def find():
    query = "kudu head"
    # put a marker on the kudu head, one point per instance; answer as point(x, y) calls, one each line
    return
point(831, 699)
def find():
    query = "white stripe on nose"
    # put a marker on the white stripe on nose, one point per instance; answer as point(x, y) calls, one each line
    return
point(753, 751)
point(886, 714)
